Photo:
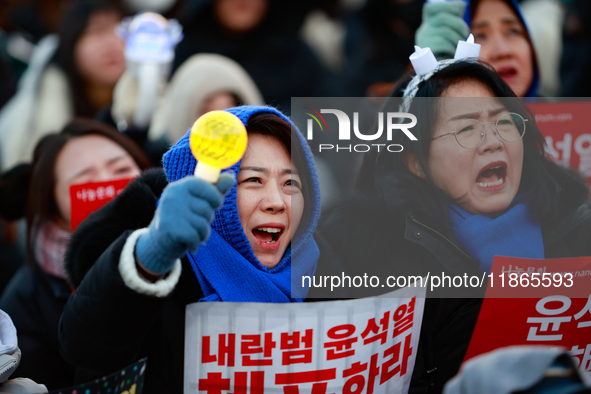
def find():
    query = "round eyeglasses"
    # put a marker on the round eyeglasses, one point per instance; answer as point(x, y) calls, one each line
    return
point(470, 133)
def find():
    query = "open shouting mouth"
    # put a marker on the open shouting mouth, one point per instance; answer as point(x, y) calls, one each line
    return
point(492, 176)
point(268, 236)
point(507, 73)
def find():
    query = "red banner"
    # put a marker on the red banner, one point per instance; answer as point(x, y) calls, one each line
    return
point(565, 127)
point(557, 316)
point(86, 198)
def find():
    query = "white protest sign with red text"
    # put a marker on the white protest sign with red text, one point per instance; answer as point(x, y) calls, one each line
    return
point(367, 345)
point(86, 198)
point(537, 303)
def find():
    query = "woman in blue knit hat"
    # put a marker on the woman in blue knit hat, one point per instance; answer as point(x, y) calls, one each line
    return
point(149, 259)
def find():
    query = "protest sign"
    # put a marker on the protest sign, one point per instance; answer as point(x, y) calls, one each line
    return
point(86, 198)
point(129, 380)
point(556, 315)
point(565, 127)
point(366, 345)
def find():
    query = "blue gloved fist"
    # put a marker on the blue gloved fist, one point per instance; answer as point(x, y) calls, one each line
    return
point(442, 27)
point(181, 221)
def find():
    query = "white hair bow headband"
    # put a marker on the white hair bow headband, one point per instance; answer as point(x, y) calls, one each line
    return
point(426, 65)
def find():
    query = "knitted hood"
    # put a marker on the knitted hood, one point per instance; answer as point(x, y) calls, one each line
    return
point(180, 162)
point(514, 5)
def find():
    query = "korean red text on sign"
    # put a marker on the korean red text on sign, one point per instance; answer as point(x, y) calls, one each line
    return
point(403, 317)
point(342, 347)
point(398, 362)
point(356, 380)
point(380, 330)
point(215, 383)
point(226, 350)
point(251, 345)
point(319, 378)
point(292, 345)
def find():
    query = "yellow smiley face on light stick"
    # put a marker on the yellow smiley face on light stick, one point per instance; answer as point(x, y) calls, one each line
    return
point(218, 140)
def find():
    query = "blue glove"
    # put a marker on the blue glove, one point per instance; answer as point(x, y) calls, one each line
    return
point(442, 27)
point(181, 221)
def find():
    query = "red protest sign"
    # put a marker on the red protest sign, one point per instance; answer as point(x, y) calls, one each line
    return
point(558, 315)
point(565, 127)
point(86, 198)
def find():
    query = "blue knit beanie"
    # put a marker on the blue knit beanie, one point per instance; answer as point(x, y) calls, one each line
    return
point(180, 162)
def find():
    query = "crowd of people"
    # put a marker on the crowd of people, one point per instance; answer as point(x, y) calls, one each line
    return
point(468, 189)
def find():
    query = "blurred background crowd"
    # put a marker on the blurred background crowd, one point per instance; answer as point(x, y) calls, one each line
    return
point(66, 59)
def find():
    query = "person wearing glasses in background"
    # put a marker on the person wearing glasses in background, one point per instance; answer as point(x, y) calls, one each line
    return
point(476, 183)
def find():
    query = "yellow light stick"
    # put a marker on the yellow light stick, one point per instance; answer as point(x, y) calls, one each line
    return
point(218, 140)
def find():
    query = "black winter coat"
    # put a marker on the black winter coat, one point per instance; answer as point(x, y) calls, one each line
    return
point(34, 301)
point(400, 235)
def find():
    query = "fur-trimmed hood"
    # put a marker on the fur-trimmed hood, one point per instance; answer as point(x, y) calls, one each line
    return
point(197, 79)
point(132, 209)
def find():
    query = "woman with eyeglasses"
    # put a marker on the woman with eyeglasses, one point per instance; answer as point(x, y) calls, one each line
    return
point(475, 184)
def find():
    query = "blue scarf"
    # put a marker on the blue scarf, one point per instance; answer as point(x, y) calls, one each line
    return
point(226, 275)
point(515, 233)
